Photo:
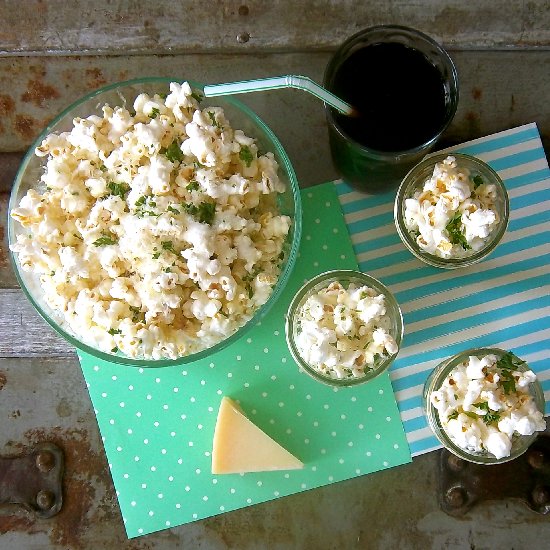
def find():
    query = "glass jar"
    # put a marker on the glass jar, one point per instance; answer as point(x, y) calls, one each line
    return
point(520, 443)
point(360, 153)
point(414, 181)
point(345, 278)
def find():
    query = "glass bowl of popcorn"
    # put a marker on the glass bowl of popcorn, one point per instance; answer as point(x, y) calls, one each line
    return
point(344, 328)
point(451, 210)
point(485, 405)
point(150, 226)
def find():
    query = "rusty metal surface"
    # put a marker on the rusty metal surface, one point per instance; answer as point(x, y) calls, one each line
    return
point(33, 480)
point(241, 26)
point(463, 484)
point(502, 53)
point(498, 90)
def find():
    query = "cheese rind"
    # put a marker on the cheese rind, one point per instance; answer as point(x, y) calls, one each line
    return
point(240, 446)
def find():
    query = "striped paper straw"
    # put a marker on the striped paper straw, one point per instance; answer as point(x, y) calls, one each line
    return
point(277, 82)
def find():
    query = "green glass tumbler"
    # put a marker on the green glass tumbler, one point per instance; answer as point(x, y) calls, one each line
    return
point(405, 88)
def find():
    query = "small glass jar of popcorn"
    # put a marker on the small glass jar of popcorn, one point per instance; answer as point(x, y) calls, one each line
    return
point(484, 405)
point(344, 328)
point(451, 210)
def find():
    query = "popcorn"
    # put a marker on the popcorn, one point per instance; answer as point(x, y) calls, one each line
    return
point(484, 404)
point(158, 233)
point(341, 331)
point(453, 215)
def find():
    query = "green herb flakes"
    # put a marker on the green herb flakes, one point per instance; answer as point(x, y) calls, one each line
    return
point(478, 180)
point(154, 112)
point(206, 213)
point(453, 416)
point(173, 152)
point(490, 416)
point(197, 96)
point(105, 240)
point(212, 117)
point(192, 186)
point(245, 154)
point(169, 246)
point(454, 228)
point(118, 189)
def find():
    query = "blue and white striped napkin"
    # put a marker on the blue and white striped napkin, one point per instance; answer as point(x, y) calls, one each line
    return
point(504, 301)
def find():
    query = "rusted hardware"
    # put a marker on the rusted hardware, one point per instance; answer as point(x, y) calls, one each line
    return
point(33, 480)
point(462, 484)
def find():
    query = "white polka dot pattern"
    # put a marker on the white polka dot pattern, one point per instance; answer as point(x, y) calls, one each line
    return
point(158, 424)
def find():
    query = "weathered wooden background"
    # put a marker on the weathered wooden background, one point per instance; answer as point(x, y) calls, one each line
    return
point(53, 52)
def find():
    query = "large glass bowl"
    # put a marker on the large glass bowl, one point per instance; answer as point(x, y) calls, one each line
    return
point(345, 278)
point(414, 181)
point(520, 443)
point(124, 93)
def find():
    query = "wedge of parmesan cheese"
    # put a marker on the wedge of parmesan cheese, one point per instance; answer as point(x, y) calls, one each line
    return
point(240, 446)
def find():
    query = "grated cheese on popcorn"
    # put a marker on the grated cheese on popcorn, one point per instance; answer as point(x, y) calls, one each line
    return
point(342, 331)
point(453, 215)
point(484, 403)
point(157, 233)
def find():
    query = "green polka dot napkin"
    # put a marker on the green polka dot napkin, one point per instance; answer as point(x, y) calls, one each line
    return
point(157, 425)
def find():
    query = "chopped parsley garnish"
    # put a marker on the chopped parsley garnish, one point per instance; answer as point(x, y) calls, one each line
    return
point(455, 233)
point(207, 211)
point(204, 212)
point(143, 213)
point(104, 240)
point(490, 415)
point(192, 186)
point(103, 168)
point(137, 315)
point(478, 180)
point(167, 245)
point(197, 96)
point(213, 119)
point(453, 416)
point(145, 200)
point(190, 208)
point(113, 331)
point(154, 112)
point(114, 350)
point(156, 255)
point(245, 154)
point(173, 152)
point(118, 189)
point(172, 209)
point(248, 278)
point(508, 363)
point(252, 275)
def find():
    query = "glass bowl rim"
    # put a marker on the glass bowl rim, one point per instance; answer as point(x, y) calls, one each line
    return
point(293, 188)
point(409, 183)
point(434, 381)
point(317, 282)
